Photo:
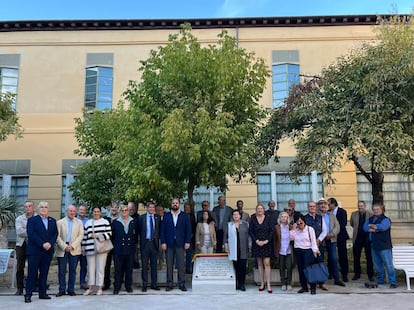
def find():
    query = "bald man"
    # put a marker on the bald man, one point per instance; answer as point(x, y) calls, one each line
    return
point(68, 250)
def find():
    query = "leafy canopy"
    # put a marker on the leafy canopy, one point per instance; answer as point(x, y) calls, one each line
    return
point(191, 120)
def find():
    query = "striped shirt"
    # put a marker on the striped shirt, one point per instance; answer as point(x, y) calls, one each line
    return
point(101, 227)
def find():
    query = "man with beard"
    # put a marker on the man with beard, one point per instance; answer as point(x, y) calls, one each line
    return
point(175, 239)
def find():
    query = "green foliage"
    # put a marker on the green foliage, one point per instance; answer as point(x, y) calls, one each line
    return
point(9, 211)
point(361, 108)
point(191, 120)
point(8, 118)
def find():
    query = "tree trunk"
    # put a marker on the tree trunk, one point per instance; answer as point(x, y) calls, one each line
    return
point(377, 183)
point(4, 242)
point(190, 193)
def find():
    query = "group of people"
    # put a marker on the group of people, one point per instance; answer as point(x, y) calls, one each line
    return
point(287, 236)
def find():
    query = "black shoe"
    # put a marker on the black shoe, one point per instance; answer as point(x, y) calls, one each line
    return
point(242, 288)
point(340, 283)
point(313, 291)
point(345, 279)
point(302, 290)
point(355, 277)
point(83, 287)
point(45, 297)
point(155, 288)
point(183, 288)
point(27, 299)
point(19, 293)
point(71, 293)
point(393, 286)
point(129, 290)
point(61, 293)
point(116, 292)
point(169, 288)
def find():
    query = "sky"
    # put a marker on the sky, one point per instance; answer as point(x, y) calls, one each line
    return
point(179, 9)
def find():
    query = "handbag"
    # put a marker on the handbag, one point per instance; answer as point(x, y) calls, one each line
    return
point(316, 273)
point(103, 246)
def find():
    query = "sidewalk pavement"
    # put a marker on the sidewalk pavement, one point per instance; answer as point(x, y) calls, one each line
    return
point(353, 296)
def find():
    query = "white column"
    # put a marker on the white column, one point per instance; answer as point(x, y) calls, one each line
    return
point(7, 180)
point(314, 185)
point(273, 186)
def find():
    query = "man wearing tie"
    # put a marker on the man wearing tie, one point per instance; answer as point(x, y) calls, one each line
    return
point(175, 239)
point(70, 235)
point(149, 234)
point(41, 237)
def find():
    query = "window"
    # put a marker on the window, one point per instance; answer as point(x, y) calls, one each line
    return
point(99, 81)
point(279, 187)
point(285, 74)
point(67, 199)
point(16, 187)
point(201, 193)
point(98, 88)
point(398, 194)
point(9, 75)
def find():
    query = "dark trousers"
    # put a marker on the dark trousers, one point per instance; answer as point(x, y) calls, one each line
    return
point(149, 254)
point(83, 264)
point(304, 258)
point(63, 263)
point(175, 252)
point(219, 237)
point(343, 258)
point(240, 266)
point(107, 274)
point(21, 262)
point(188, 258)
point(285, 265)
point(38, 265)
point(357, 251)
point(123, 269)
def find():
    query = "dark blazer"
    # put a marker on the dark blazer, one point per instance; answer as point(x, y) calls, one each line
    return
point(342, 218)
point(143, 229)
point(181, 233)
point(124, 243)
point(228, 212)
point(37, 235)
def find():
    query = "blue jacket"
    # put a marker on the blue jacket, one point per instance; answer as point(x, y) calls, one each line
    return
point(143, 229)
point(181, 233)
point(37, 235)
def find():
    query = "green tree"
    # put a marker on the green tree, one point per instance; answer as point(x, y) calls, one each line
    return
point(360, 109)
point(191, 120)
point(8, 118)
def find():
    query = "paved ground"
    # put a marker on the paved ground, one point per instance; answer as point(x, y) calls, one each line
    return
point(354, 295)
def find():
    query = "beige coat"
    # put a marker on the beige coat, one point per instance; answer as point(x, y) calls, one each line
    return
point(354, 222)
point(199, 237)
point(75, 240)
point(334, 227)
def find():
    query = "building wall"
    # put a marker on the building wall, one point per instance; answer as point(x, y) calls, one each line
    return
point(52, 81)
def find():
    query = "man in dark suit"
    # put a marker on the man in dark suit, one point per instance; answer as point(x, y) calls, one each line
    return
point(41, 237)
point(223, 215)
point(149, 234)
point(360, 240)
point(342, 237)
point(205, 206)
point(175, 239)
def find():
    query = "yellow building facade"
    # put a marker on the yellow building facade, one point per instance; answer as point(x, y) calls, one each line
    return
point(52, 57)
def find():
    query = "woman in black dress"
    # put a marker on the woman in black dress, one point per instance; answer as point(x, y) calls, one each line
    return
point(261, 232)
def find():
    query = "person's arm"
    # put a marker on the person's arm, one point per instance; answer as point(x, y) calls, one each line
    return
point(325, 230)
point(351, 221)
point(336, 228)
point(60, 242)
point(383, 226)
point(21, 230)
point(366, 225)
point(314, 245)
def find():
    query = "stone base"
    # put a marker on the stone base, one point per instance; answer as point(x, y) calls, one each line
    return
point(275, 276)
point(161, 277)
